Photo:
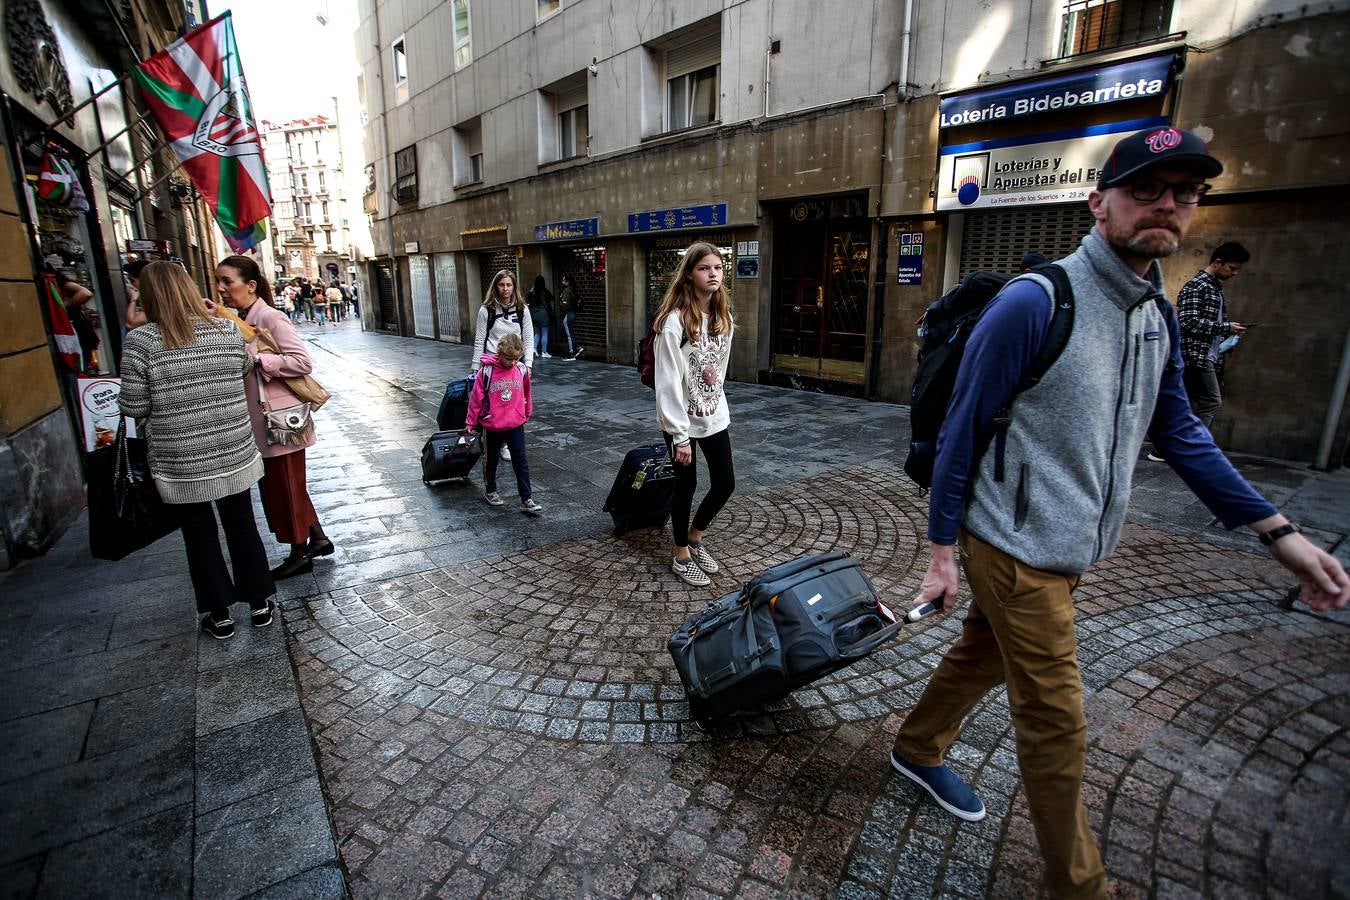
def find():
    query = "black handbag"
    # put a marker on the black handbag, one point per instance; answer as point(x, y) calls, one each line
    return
point(125, 510)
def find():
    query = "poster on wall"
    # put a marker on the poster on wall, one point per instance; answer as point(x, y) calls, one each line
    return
point(99, 412)
point(1028, 170)
point(909, 267)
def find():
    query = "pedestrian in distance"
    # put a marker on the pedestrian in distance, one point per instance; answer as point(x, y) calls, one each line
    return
point(286, 502)
point(503, 312)
point(692, 352)
point(320, 303)
point(334, 297)
point(307, 299)
point(569, 304)
point(1049, 499)
point(184, 372)
point(1032, 260)
point(1203, 312)
point(499, 406)
point(541, 303)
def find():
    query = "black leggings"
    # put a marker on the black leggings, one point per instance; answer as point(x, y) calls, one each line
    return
point(716, 450)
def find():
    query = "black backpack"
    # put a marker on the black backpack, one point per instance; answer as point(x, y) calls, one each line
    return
point(946, 327)
point(510, 315)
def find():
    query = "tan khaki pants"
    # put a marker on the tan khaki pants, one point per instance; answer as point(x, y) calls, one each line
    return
point(1020, 631)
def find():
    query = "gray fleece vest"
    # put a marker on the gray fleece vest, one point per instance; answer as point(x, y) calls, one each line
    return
point(1075, 436)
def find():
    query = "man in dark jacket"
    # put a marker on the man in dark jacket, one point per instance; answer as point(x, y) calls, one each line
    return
point(1032, 516)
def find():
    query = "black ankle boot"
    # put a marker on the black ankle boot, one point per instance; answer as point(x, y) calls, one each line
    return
point(319, 546)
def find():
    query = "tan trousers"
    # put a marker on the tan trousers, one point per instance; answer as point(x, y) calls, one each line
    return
point(1020, 631)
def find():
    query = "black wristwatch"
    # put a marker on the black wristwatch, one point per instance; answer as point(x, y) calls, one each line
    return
point(1275, 534)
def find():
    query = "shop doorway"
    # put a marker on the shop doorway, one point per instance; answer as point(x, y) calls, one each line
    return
point(820, 297)
point(419, 277)
point(585, 266)
point(997, 241)
point(447, 297)
point(384, 287)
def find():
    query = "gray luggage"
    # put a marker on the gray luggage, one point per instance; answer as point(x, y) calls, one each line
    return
point(792, 624)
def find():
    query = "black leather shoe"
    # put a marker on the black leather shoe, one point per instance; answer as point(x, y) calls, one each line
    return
point(291, 566)
point(319, 548)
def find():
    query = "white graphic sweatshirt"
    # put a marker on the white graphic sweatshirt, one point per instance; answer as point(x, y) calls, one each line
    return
point(689, 398)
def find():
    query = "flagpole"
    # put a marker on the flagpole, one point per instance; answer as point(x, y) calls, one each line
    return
point(140, 117)
point(178, 164)
point(137, 163)
point(83, 103)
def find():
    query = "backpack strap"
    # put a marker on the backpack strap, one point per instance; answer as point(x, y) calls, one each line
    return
point(1056, 339)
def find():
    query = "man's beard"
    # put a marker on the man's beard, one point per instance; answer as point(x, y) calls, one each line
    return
point(1153, 244)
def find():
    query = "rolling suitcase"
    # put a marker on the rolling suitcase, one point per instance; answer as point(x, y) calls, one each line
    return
point(450, 454)
point(454, 405)
point(791, 625)
point(642, 491)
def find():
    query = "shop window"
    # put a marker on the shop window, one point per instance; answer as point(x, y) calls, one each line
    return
point(574, 137)
point(548, 8)
point(463, 43)
point(1091, 25)
point(405, 175)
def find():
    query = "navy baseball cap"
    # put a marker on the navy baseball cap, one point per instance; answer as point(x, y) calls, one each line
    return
point(1156, 147)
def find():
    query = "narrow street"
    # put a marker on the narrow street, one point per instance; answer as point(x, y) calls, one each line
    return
point(466, 701)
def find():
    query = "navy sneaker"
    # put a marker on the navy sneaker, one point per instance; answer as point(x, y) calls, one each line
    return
point(950, 792)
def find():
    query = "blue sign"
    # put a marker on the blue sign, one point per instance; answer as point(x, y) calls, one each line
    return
point(1133, 80)
point(910, 267)
point(568, 231)
point(680, 217)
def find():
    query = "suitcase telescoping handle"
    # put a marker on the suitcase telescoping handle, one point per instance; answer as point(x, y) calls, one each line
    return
point(876, 639)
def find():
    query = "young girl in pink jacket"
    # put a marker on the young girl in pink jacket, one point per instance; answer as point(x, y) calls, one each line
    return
point(500, 405)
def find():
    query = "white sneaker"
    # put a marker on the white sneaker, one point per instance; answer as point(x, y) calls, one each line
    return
point(492, 498)
point(506, 453)
point(530, 507)
point(702, 558)
point(1153, 457)
point(689, 572)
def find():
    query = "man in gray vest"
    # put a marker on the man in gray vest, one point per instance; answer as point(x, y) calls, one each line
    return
point(1047, 501)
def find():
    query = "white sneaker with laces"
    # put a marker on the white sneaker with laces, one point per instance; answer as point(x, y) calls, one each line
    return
point(506, 453)
point(492, 498)
point(689, 572)
point(530, 507)
point(702, 558)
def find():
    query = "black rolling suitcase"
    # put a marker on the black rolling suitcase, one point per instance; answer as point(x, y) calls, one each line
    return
point(640, 497)
point(794, 623)
point(450, 454)
point(454, 405)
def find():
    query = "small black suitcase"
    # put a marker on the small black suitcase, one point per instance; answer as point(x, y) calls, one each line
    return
point(450, 454)
point(454, 405)
point(640, 497)
point(791, 625)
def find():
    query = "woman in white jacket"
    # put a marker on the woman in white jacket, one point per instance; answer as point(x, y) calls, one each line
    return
point(692, 351)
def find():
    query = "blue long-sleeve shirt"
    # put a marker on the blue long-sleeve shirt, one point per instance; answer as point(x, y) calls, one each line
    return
point(1000, 351)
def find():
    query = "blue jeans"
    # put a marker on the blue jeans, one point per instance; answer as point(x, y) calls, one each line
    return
point(540, 342)
point(515, 441)
point(319, 312)
point(567, 330)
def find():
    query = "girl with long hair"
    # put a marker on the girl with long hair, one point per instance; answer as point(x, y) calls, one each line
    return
point(285, 497)
point(184, 372)
point(692, 352)
point(503, 312)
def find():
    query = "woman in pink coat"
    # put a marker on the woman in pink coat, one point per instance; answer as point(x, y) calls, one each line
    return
point(285, 498)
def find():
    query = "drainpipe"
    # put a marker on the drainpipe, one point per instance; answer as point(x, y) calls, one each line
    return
point(768, 55)
point(1338, 392)
point(388, 183)
point(906, 38)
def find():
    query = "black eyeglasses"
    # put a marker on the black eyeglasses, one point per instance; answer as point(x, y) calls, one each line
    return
point(1149, 189)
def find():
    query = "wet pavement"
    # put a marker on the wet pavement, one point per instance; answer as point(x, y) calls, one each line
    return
point(493, 711)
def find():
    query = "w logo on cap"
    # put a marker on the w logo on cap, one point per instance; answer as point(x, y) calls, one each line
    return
point(1163, 139)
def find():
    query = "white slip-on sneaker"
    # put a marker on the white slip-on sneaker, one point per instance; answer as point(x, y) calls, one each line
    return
point(690, 573)
point(702, 558)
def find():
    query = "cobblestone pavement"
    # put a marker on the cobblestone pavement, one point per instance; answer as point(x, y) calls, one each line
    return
point(496, 714)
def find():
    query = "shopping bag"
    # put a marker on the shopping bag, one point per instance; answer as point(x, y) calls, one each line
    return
point(125, 510)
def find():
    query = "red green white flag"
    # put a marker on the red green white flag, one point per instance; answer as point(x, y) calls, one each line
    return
point(196, 91)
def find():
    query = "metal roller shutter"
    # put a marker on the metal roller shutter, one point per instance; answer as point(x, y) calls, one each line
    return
point(698, 54)
point(997, 241)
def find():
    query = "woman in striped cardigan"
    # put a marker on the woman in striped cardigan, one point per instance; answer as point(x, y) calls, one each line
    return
point(183, 373)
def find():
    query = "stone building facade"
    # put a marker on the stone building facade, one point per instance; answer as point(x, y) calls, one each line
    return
point(54, 57)
point(831, 154)
point(311, 210)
